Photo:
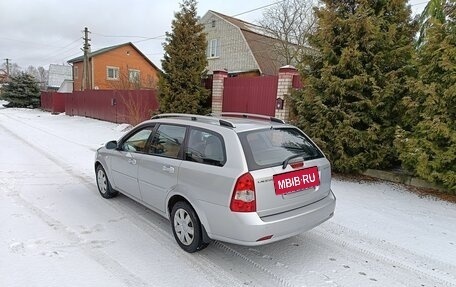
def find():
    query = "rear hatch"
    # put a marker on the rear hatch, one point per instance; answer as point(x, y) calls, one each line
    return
point(288, 169)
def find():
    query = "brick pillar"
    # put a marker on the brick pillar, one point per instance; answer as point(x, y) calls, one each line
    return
point(284, 87)
point(218, 79)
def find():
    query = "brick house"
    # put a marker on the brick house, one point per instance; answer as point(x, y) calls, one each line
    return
point(239, 47)
point(117, 67)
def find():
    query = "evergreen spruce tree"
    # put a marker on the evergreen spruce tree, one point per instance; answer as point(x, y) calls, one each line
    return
point(427, 141)
point(355, 81)
point(184, 64)
point(22, 91)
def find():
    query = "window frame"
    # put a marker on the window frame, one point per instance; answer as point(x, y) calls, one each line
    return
point(75, 72)
point(219, 136)
point(138, 72)
point(180, 153)
point(132, 133)
point(213, 48)
point(117, 72)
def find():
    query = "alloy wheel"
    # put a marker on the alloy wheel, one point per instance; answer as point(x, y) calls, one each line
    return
point(183, 226)
point(102, 182)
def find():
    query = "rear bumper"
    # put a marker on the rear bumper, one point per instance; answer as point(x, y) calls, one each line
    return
point(247, 228)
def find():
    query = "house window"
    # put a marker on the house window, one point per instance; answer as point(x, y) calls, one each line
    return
point(75, 72)
point(212, 50)
point(133, 76)
point(112, 73)
point(213, 23)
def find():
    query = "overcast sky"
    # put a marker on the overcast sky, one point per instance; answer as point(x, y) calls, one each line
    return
point(43, 32)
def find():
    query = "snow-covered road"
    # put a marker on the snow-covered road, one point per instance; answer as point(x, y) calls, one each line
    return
point(55, 229)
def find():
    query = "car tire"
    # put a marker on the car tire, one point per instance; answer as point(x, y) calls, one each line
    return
point(103, 184)
point(187, 227)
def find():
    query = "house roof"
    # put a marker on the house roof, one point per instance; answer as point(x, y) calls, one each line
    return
point(58, 74)
point(111, 48)
point(259, 41)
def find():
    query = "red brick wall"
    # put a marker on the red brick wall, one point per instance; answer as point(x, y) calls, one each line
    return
point(124, 58)
point(77, 76)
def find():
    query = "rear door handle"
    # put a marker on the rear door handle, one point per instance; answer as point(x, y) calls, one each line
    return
point(169, 169)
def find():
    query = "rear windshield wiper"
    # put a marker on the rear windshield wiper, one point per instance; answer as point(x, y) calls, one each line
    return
point(292, 147)
point(285, 162)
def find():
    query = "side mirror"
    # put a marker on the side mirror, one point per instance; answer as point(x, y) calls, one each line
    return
point(111, 145)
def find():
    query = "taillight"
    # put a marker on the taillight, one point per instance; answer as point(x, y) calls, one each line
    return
point(243, 199)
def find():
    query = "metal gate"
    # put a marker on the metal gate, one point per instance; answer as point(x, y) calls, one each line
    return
point(255, 95)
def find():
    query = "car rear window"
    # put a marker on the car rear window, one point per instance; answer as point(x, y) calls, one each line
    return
point(271, 147)
point(205, 147)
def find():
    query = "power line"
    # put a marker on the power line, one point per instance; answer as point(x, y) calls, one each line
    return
point(153, 38)
point(119, 36)
point(144, 38)
point(259, 8)
point(61, 50)
point(161, 36)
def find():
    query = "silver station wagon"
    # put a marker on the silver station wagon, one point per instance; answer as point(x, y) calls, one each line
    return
point(239, 178)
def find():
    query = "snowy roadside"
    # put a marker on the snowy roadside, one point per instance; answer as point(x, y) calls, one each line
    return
point(381, 235)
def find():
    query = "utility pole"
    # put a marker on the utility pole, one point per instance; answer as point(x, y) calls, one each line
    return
point(86, 71)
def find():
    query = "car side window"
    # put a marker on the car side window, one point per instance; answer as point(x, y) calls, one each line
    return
point(205, 147)
point(138, 141)
point(167, 140)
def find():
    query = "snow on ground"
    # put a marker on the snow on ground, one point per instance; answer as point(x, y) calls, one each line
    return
point(55, 230)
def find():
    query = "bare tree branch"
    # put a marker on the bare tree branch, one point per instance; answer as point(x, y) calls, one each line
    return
point(290, 22)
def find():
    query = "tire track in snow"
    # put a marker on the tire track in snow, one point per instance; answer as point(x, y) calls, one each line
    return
point(395, 256)
point(213, 274)
point(153, 229)
point(396, 259)
point(114, 267)
point(100, 257)
point(89, 183)
point(439, 269)
point(279, 280)
point(50, 133)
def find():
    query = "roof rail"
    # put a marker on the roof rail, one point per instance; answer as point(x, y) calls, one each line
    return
point(194, 118)
point(178, 115)
point(247, 115)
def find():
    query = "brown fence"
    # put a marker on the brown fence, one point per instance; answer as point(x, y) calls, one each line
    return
point(255, 95)
point(53, 102)
point(129, 106)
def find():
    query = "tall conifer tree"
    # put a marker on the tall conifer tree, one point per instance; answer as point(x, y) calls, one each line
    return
point(184, 64)
point(427, 140)
point(355, 81)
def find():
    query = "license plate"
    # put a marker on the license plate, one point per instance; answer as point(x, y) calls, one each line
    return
point(296, 180)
